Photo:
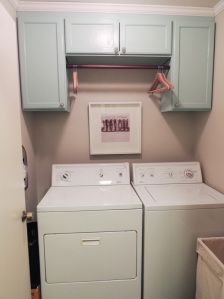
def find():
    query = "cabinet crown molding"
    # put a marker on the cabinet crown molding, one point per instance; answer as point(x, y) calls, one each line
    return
point(112, 8)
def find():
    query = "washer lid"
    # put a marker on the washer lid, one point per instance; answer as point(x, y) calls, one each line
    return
point(82, 198)
point(179, 196)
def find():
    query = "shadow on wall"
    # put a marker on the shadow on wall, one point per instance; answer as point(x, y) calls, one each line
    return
point(201, 120)
point(207, 148)
point(183, 127)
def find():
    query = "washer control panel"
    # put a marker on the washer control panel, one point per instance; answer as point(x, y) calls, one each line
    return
point(167, 173)
point(90, 174)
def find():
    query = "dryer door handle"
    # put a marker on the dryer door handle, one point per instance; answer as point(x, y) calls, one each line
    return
point(91, 242)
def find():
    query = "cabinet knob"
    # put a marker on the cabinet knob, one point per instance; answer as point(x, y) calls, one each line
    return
point(124, 50)
point(61, 105)
point(116, 50)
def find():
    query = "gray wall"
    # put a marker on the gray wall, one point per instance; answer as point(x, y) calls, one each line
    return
point(209, 148)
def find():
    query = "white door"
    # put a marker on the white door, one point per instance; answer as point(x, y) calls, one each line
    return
point(14, 270)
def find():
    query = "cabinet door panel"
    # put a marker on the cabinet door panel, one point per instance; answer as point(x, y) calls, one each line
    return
point(192, 64)
point(42, 63)
point(146, 37)
point(92, 35)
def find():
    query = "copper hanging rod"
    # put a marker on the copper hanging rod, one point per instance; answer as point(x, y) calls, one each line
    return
point(108, 66)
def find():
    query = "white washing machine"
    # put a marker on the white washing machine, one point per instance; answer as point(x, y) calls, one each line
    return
point(90, 234)
point(178, 208)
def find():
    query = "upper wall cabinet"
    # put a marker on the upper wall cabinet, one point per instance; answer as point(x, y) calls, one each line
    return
point(42, 62)
point(151, 36)
point(191, 66)
point(45, 39)
point(106, 34)
point(89, 35)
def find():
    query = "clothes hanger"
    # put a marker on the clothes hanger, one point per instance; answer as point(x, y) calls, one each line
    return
point(75, 80)
point(167, 81)
point(160, 79)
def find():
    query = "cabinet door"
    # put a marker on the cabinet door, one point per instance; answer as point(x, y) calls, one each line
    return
point(192, 64)
point(146, 36)
point(92, 35)
point(42, 63)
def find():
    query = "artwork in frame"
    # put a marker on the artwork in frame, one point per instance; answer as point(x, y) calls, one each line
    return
point(115, 128)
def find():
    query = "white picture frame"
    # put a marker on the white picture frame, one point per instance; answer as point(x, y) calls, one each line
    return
point(115, 128)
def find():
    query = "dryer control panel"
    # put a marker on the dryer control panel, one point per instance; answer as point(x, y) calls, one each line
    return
point(166, 173)
point(90, 174)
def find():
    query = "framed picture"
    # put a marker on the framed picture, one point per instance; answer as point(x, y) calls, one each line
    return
point(115, 128)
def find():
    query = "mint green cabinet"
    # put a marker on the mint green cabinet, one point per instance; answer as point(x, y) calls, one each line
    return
point(45, 39)
point(42, 62)
point(118, 34)
point(92, 34)
point(148, 35)
point(191, 66)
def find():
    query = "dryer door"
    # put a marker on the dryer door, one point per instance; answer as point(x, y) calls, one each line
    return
point(83, 257)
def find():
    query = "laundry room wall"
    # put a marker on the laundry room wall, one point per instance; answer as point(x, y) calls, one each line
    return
point(57, 137)
point(27, 127)
point(210, 126)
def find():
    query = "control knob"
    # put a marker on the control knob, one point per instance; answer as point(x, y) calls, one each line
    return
point(101, 174)
point(65, 176)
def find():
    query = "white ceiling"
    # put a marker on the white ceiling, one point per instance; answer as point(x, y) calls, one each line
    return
point(195, 3)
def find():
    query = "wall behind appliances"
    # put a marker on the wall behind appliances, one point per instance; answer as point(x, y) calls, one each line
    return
point(27, 127)
point(210, 126)
point(64, 138)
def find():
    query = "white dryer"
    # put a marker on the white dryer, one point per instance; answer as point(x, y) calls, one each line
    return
point(90, 234)
point(178, 208)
